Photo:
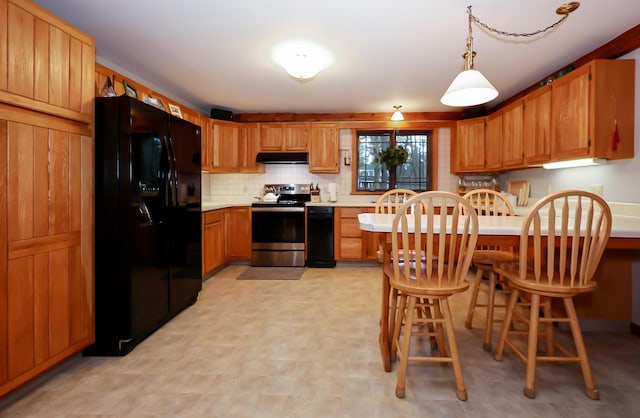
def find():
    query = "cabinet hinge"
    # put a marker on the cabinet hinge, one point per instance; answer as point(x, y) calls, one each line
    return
point(589, 76)
point(589, 142)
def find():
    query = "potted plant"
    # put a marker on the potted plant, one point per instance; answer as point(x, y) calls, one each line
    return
point(392, 157)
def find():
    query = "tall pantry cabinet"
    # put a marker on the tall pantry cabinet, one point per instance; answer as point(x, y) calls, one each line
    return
point(46, 191)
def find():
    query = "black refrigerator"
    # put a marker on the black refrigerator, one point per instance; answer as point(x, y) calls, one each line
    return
point(147, 221)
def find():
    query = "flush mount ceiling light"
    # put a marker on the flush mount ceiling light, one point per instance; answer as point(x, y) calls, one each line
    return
point(397, 116)
point(585, 162)
point(470, 87)
point(302, 60)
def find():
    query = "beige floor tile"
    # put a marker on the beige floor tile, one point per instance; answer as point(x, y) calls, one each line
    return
point(309, 348)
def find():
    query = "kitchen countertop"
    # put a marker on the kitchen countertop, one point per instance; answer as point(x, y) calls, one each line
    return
point(221, 202)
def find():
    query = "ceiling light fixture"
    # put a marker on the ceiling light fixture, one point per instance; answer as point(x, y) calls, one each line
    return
point(585, 162)
point(470, 87)
point(397, 116)
point(302, 60)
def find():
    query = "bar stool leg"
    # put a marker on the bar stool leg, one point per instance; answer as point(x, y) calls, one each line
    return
point(590, 386)
point(532, 348)
point(506, 325)
point(461, 391)
point(404, 348)
point(488, 325)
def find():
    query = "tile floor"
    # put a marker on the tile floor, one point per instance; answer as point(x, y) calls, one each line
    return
point(308, 348)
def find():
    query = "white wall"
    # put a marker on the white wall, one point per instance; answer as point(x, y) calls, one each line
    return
point(618, 177)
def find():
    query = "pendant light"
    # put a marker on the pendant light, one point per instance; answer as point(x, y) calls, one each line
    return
point(397, 116)
point(470, 87)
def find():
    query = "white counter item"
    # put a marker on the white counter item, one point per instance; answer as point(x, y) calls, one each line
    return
point(333, 192)
point(270, 198)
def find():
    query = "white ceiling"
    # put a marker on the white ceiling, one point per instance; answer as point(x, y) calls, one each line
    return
point(215, 53)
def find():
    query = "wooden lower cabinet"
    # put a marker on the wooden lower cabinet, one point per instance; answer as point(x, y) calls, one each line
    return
point(352, 244)
point(226, 235)
point(214, 251)
point(238, 232)
point(46, 243)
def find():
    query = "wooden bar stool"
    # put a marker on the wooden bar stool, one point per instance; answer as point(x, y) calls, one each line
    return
point(448, 241)
point(488, 202)
point(561, 243)
point(388, 203)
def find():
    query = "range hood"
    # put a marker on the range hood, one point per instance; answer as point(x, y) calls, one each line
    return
point(283, 157)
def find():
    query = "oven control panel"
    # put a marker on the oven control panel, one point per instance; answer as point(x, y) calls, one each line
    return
point(286, 189)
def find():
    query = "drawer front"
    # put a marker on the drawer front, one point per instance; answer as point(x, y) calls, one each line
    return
point(352, 212)
point(212, 216)
point(350, 227)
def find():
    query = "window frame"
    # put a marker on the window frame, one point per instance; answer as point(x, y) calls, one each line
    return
point(419, 128)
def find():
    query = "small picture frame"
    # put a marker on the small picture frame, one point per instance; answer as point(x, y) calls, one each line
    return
point(129, 90)
point(175, 110)
point(155, 102)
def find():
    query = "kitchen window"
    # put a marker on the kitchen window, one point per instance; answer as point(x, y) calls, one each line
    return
point(373, 176)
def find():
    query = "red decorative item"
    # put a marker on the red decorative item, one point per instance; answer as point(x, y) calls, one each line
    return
point(616, 136)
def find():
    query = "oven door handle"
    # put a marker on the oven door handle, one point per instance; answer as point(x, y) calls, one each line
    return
point(278, 209)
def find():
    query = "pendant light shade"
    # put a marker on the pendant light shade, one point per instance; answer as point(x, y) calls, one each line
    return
point(469, 88)
point(397, 116)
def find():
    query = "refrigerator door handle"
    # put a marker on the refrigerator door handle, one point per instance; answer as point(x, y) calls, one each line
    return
point(174, 170)
point(166, 173)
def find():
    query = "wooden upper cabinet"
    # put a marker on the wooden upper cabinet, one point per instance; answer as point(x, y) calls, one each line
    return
point(271, 137)
point(296, 137)
point(512, 136)
point(292, 136)
point(249, 144)
point(225, 146)
point(469, 155)
point(234, 147)
point(207, 144)
point(587, 105)
point(49, 64)
point(570, 115)
point(537, 126)
point(493, 142)
point(324, 148)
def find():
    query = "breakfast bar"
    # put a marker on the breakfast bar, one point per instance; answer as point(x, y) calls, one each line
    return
point(622, 251)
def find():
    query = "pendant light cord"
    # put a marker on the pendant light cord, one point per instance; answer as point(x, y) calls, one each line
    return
point(503, 33)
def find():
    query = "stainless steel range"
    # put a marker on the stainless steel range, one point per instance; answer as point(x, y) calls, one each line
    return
point(278, 226)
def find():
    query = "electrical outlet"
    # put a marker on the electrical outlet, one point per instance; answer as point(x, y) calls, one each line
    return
point(597, 189)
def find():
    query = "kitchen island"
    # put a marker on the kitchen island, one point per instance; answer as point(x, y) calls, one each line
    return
point(610, 304)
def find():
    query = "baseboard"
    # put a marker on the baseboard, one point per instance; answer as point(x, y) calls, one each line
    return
point(603, 325)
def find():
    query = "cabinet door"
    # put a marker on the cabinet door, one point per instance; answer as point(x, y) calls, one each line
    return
point(207, 145)
point(537, 126)
point(324, 148)
point(225, 147)
point(493, 142)
point(239, 233)
point(570, 115)
point(469, 148)
point(296, 136)
point(46, 65)
point(512, 140)
point(47, 245)
point(271, 137)
point(213, 242)
point(249, 138)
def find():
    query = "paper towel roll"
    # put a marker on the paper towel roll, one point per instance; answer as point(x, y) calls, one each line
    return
point(333, 192)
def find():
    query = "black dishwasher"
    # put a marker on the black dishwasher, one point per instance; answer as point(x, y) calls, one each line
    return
point(320, 237)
